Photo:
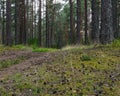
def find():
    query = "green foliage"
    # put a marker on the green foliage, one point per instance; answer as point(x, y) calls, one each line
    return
point(115, 43)
point(22, 47)
point(85, 57)
point(33, 42)
point(43, 49)
point(8, 63)
point(77, 47)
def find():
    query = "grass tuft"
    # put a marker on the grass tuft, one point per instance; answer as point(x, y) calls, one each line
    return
point(85, 57)
point(44, 49)
point(75, 47)
point(116, 43)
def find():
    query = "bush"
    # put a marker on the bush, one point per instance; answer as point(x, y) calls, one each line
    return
point(33, 42)
point(85, 57)
point(116, 43)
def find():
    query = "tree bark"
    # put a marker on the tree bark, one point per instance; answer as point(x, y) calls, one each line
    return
point(86, 23)
point(106, 34)
point(95, 21)
point(79, 22)
point(16, 22)
point(114, 15)
point(47, 23)
point(71, 33)
point(3, 22)
point(39, 24)
point(8, 23)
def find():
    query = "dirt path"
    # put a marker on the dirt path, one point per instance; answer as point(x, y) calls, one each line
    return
point(32, 59)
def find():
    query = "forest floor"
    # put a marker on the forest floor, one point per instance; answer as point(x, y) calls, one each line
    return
point(68, 72)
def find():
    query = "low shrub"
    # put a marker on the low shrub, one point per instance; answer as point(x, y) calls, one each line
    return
point(85, 57)
point(116, 43)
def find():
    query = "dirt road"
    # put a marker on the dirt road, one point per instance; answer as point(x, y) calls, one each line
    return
point(31, 58)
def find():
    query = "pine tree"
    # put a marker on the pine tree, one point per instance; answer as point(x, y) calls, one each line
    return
point(71, 32)
point(8, 23)
point(86, 22)
point(39, 25)
point(95, 21)
point(79, 22)
point(106, 34)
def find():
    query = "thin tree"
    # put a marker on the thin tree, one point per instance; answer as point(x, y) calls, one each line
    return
point(3, 22)
point(47, 23)
point(16, 21)
point(71, 32)
point(22, 19)
point(86, 22)
point(31, 20)
point(114, 13)
point(79, 22)
point(0, 20)
point(39, 25)
point(8, 23)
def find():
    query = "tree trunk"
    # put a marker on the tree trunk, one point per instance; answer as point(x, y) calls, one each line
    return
point(31, 18)
point(71, 33)
point(86, 23)
point(95, 21)
point(16, 22)
point(0, 21)
point(8, 23)
point(106, 34)
point(114, 15)
point(22, 17)
point(79, 22)
point(47, 23)
point(39, 24)
point(3, 22)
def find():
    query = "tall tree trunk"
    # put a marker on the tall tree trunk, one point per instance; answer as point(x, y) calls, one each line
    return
point(51, 19)
point(24, 22)
point(39, 25)
point(27, 21)
point(95, 21)
point(106, 34)
point(8, 23)
point(31, 18)
point(114, 15)
point(71, 33)
point(52, 26)
point(3, 22)
point(0, 21)
point(16, 22)
point(86, 23)
point(22, 35)
point(79, 22)
point(47, 24)
point(118, 16)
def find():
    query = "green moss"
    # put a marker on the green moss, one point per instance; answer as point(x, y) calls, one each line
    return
point(66, 74)
point(8, 63)
point(115, 43)
point(85, 57)
point(44, 50)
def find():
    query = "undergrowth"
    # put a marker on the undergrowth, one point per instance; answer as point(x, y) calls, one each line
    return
point(8, 63)
point(115, 43)
point(74, 72)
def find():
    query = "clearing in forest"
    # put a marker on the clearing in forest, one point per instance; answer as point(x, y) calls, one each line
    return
point(71, 72)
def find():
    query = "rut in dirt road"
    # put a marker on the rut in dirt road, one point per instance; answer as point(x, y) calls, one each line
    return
point(32, 59)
